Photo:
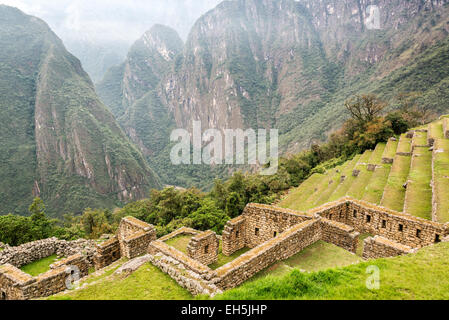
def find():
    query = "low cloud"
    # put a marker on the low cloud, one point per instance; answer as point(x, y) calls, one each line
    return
point(113, 20)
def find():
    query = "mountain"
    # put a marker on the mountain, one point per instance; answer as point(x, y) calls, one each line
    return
point(58, 141)
point(290, 65)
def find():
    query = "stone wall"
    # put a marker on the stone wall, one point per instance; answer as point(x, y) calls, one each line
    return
point(33, 251)
point(395, 226)
point(339, 234)
point(17, 285)
point(233, 236)
point(380, 247)
point(282, 247)
point(263, 222)
point(204, 247)
point(134, 237)
point(158, 246)
point(107, 253)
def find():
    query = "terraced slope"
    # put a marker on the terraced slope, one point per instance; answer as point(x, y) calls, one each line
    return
point(394, 191)
point(375, 188)
point(409, 174)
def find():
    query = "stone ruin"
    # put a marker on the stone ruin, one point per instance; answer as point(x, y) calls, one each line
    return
point(132, 240)
point(272, 234)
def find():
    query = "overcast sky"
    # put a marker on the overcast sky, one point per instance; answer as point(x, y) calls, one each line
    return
point(107, 20)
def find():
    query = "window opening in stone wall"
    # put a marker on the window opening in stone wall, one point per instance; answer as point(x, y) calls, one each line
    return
point(368, 218)
point(275, 234)
point(330, 217)
point(418, 233)
point(237, 234)
point(401, 228)
point(206, 249)
point(355, 213)
point(437, 238)
point(2, 295)
point(384, 224)
point(256, 232)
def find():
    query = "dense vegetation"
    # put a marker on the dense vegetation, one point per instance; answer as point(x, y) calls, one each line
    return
point(172, 208)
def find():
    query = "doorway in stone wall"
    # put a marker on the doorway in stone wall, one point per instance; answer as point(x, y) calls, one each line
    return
point(3, 295)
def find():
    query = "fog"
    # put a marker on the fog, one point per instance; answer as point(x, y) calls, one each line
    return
point(106, 20)
point(99, 32)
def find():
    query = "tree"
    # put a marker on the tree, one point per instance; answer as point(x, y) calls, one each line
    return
point(365, 108)
point(41, 226)
point(209, 216)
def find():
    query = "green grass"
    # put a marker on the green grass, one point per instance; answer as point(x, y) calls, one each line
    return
point(319, 256)
point(376, 156)
point(222, 259)
point(441, 181)
point(147, 283)
point(343, 187)
point(436, 130)
point(296, 197)
point(180, 242)
point(418, 199)
point(320, 188)
point(420, 276)
point(405, 145)
point(419, 139)
point(394, 193)
point(38, 267)
point(375, 188)
point(390, 149)
point(360, 183)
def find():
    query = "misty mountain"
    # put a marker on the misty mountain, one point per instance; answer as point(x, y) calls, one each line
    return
point(291, 65)
point(58, 141)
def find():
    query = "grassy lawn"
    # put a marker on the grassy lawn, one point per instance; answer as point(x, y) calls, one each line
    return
point(441, 171)
point(332, 178)
point(394, 192)
point(297, 196)
point(375, 188)
point(420, 276)
point(390, 149)
point(419, 139)
point(419, 192)
point(436, 130)
point(343, 187)
point(376, 156)
point(222, 259)
point(405, 145)
point(38, 267)
point(358, 187)
point(180, 242)
point(147, 283)
point(319, 256)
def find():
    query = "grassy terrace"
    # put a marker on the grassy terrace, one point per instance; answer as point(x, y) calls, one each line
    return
point(394, 192)
point(418, 199)
point(390, 149)
point(180, 242)
point(441, 181)
point(343, 187)
point(359, 186)
point(375, 189)
point(436, 130)
point(296, 197)
point(40, 266)
point(347, 167)
point(222, 259)
point(147, 283)
point(319, 256)
point(405, 145)
point(419, 139)
point(332, 177)
point(420, 276)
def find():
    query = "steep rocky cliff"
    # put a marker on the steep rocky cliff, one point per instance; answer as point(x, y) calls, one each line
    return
point(58, 141)
point(290, 65)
